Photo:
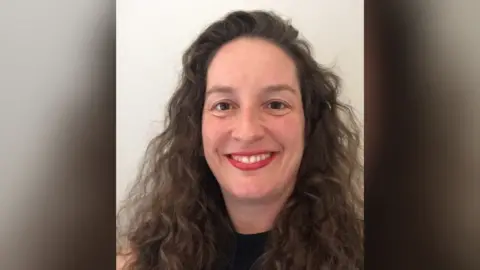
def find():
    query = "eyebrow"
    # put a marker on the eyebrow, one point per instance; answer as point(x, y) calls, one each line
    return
point(268, 89)
point(219, 89)
point(280, 88)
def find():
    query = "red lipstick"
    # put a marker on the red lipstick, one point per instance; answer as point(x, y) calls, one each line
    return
point(250, 166)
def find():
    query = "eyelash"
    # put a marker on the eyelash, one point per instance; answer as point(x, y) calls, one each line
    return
point(232, 106)
point(214, 108)
point(282, 103)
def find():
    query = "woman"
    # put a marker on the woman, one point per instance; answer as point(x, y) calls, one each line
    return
point(257, 164)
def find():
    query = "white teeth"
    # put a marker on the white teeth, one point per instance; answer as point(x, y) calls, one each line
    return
point(251, 159)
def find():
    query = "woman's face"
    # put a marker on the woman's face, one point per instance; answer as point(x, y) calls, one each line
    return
point(253, 122)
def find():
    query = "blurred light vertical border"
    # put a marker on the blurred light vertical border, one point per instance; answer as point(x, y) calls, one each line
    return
point(57, 141)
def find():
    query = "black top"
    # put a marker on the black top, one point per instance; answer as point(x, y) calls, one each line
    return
point(248, 248)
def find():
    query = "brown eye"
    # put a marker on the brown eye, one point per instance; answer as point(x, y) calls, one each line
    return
point(276, 105)
point(222, 106)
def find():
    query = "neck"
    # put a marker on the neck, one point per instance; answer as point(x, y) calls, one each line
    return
point(251, 217)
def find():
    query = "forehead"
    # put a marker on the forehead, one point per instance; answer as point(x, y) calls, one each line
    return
point(251, 62)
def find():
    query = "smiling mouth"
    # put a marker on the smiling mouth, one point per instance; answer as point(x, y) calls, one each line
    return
point(251, 162)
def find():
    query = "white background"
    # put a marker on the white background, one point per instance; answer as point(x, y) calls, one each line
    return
point(152, 35)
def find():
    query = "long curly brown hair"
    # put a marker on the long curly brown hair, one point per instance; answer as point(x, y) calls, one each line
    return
point(176, 217)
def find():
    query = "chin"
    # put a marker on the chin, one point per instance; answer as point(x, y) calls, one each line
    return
point(252, 193)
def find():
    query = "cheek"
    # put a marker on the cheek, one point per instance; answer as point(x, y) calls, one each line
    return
point(291, 130)
point(211, 133)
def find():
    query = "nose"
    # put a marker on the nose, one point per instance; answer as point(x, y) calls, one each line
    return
point(248, 125)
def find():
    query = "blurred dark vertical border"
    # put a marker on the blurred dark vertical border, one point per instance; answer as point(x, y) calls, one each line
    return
point(57, 141)
point(386, 120)
point(419, 136)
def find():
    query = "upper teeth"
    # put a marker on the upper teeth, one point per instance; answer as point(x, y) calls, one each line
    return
point(251, 159)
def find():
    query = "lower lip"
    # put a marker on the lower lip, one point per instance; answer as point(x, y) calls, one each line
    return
point(251, 166)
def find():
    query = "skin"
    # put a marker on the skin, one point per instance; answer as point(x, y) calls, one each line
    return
point(253, 103)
